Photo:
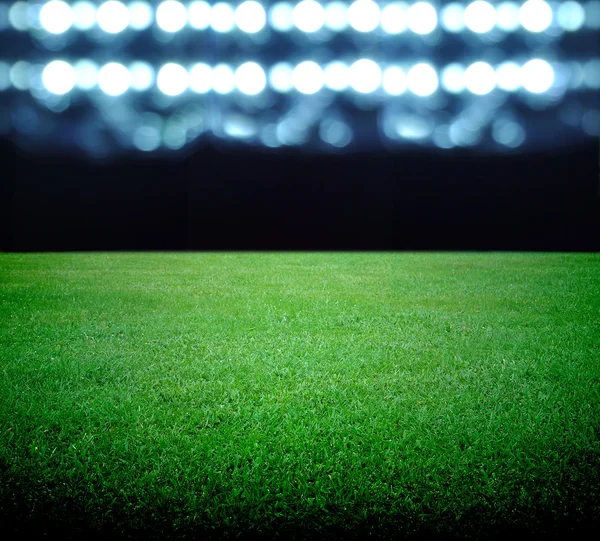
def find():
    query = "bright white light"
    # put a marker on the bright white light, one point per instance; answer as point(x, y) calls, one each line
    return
point(113, 17)
point(394, 81)
point(393, 18)
point(537, 76)
point(309, 16)
point(56, 17)
point(250, 78)
point(308, 77)
point(201, 78)
point(171, 16)
point(336, 16)
point(142, 76)
point(280, 77)
point(570, 15)
point(172, 79)
point(364, 15)
point(480, 78)
point(114, 79)
point(453, 78)
point(222, 18)
point(365, 76)
point(223, 79)
point(535, 15)
point(199, 15)
point(453, 17)
point(59, 77)
point(18, 15)
point(480, 17)
point(336, 76)
point(84, 15)
point(86, 74)
point(507, 16)
point(140, 15)
point(250, 17)
point(508, 76)
point(422, 18)
point(281, 16)
point(422, 80)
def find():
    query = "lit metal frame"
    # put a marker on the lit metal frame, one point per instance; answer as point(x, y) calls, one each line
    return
point(318, 96)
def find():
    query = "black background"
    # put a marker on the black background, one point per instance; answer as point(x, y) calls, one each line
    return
point(217, 199)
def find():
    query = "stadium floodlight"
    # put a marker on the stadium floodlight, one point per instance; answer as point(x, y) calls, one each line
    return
point(535, 15)
point(59, 77)
point(250, 17)
point(56, 17)
point(114, 79)
point(113, 17)
point(222, 18)
point(309, 16)
point(84, 15)
point(422, 18)
point(422, 79)
point(171, 16)
point(308, 73)
point(172, 79)
point(308, 77)
point(364, 15)
point(250, 78)
point(365, 76)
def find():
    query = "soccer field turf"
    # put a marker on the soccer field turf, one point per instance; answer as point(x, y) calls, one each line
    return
point(323, 395)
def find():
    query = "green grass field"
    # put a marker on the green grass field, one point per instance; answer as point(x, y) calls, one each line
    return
point(324, 395)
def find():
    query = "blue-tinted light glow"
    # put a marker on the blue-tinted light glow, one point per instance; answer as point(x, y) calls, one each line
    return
point(364, 15)
point(281, 16)
point(480, 78)
point(453, 17)
point(199, 14)
point(171, 16)
point(422, 79)
point(56, 17)
point(394, 81)
point(140, 15)
point(480, 17)
point(570, 15)
point(336, 16)
point(535, 15)
point(309, 16)
point(114, 79)
point(59, 77)
point(113, 17)
point(422, 18)
point(201, 78)
point(365, 76)
point(507, 16)
point(222, 18)
point(394, 18)
point(172, 79)
point(250, 17)
point(537, 76)
point(84, 15)
point(308, 77)
point(250, 78)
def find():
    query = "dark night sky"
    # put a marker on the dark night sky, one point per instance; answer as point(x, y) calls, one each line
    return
point(223, 200)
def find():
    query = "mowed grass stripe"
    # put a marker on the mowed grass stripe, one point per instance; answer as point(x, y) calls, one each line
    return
point(317, 393)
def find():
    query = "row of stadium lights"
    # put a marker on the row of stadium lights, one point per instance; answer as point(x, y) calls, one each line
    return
point(57, 17)
point(363, 76)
